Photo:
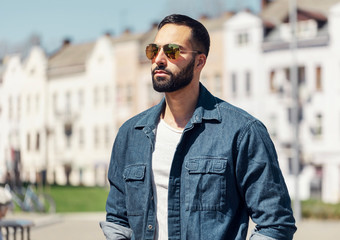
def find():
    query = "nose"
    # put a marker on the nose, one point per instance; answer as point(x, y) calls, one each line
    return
point(160, 58)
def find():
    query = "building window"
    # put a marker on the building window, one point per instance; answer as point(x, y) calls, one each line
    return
point(318, 78)
point(10, 108)
point(248, 83)
point(28, 104)
point(80, 98)
point(317, 129)
point(272, 81)
point(242, 39)
point(37, 101)
point(28, 142)
point(19, 107)
point(37, 142)
point(55, 102)
point(95, 96)
point(234, 84)
point(301, 75)
point(81, 137)
point(107, 139)
point(68, 102)
point(96, 136)
point(107, 94)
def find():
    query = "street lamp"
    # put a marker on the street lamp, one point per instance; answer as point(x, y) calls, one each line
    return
point(295, 109)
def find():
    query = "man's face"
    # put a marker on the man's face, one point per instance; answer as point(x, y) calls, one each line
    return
point(169, 75)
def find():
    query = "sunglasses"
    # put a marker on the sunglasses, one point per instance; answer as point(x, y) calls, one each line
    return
point(170, 50)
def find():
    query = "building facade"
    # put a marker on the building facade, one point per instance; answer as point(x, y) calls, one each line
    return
point(259, 61)
point(59, 114)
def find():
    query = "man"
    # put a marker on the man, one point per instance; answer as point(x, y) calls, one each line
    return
point(193, 167)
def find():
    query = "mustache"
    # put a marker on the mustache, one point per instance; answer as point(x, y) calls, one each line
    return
point(163, 68)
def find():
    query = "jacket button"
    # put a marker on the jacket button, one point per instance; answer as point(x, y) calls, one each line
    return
point(149, 227)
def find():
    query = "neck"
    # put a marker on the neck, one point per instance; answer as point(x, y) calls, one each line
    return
point(180, 105)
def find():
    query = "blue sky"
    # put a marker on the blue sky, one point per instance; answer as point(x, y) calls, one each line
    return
point(86, 20)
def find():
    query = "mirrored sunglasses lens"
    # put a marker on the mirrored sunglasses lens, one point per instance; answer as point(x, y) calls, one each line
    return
point(151, 51)
point(171, 50)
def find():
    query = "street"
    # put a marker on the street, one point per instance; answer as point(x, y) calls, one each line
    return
point(85, 226)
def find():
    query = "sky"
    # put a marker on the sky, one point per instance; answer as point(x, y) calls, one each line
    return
point(86, 20)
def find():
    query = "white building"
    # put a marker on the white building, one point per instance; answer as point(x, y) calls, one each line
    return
point(59, 114)
point(259, 59)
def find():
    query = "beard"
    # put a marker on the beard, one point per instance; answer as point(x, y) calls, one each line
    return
point(176, 81)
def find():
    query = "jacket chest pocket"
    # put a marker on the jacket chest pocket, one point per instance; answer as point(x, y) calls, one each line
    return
point(135, 187)
point(205, 184)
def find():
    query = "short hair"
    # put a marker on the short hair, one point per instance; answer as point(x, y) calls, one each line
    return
point(199, 34)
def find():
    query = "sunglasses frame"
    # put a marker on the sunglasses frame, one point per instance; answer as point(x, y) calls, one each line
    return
point(171, 50)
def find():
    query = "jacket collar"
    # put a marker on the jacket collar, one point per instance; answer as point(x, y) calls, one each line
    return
point(206, 109)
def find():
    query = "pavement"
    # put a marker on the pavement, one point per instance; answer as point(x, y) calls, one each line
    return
point(85, 226)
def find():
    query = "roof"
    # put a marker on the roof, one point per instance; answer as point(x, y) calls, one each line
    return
point(71, 58)
point(70, 55)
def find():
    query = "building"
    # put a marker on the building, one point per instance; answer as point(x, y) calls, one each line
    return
point(59, 114)
point(259, 60)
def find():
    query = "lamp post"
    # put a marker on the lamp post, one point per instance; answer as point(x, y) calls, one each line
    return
point(295, 109)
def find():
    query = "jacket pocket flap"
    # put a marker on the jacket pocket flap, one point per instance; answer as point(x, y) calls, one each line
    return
point(134, 172)
point(207, 165)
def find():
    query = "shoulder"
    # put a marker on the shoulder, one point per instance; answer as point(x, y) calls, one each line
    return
point(145, 118)
point(233, 113)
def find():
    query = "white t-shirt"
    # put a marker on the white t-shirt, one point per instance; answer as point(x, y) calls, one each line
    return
point(167, 139)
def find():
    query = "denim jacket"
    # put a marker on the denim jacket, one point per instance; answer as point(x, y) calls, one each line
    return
point(224, 171)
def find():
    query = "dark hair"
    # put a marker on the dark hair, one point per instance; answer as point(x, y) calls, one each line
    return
point(200, 36)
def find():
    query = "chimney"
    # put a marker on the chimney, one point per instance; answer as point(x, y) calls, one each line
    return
point(108, 34)
point(264, 4)
point(66, 42)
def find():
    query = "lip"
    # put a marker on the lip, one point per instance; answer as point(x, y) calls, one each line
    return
point(160, 73)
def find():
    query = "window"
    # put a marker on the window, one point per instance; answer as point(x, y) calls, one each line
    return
point(28, 141)
point(318, 126)
point(37, 142)
point(291, 114)
point(81, 137)
point(28, 104)
point(37, 101)
point(95, 96)
point(248, 83)
point(301, 75)
point(19, 106)
point(318, 78)
point(80, 98)
point(55, 102)
point(10, 108)
point(107, 94)
point(107, 139)
point(242, 39)
point(234, 84)
point(68, 102)
point(96, 136)
point(272, 81)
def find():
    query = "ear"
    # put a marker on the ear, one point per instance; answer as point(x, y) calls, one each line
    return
point(201, 60)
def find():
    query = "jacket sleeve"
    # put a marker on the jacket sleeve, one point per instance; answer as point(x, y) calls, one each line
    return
point(114, 231)
point(262, 185)
point(116, 225)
